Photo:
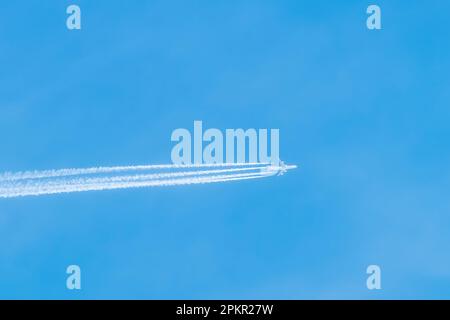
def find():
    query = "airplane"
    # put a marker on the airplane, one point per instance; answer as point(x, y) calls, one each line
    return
point(278, 169)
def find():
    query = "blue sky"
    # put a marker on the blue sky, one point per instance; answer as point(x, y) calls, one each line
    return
point(363, 113)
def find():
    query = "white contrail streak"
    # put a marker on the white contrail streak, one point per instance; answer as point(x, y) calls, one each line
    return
point(35, 183)
point(8, 176)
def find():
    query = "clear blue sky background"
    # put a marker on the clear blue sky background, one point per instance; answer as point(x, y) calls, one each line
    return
point(364, 113)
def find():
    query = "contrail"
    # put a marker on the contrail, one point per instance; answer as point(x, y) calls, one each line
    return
point(96, 170)
point(35, 183)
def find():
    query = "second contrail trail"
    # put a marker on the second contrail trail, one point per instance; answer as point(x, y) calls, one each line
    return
point(36, 183)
